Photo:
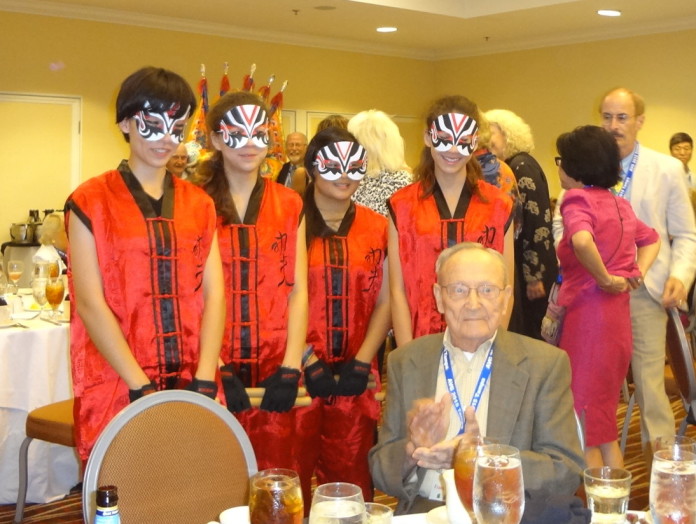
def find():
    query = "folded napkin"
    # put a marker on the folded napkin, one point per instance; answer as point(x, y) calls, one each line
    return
point(541, 507)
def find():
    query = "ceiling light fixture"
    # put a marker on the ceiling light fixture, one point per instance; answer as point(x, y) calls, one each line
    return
point(386, 29)
point(609, 12)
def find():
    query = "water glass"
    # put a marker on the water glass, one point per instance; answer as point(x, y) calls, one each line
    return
point(607, 491)
point(337, 503)
point(673, 485)
point(675, 441)
point(378, 513)
point(498, 485)
point(275, 497)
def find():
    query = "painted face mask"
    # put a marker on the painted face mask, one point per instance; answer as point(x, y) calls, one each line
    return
point(242, 124)
point(454, 129)
point(154, 126)
point(341, 157)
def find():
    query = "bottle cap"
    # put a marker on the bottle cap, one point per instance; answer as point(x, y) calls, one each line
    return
point(107, 496)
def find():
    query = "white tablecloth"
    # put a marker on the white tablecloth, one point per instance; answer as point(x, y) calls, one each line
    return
point(34, 371)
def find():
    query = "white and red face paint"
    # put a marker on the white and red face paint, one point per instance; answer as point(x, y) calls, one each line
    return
point(155, 126)
point(341, 157)
point(454, 129)
point(242, 124)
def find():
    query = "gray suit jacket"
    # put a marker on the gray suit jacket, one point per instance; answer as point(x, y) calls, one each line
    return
point(530, 407)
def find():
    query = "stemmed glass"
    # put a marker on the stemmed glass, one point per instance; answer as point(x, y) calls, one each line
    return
point(673, 482)
point(275, 496)
point(337, 503)
point(15, 268)
point(55, 292)
point(38, 290)
point(498, 485)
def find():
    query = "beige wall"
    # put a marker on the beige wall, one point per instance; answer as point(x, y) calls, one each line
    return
point(554, 89)
point(98, 56)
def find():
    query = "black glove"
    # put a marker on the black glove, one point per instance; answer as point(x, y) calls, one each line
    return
point(353, 379)
point(319, 380)
point(281, 390)
point(235, 394)
point(204, 387)
point(135, 394)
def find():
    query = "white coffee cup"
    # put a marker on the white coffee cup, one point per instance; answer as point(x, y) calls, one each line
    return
point(236, 515)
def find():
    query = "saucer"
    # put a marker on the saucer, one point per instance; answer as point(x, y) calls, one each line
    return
point(437, 516)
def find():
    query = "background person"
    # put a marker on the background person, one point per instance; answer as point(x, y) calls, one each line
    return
point(448, 203)
point(178, 161)
point(598, 257)
point(535, 256)
point(654, 185)
point(293, 173)
point(144, 266)
point(387, 171)
point(526, 403)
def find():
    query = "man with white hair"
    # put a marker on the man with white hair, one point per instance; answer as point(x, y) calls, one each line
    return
point(475, 378)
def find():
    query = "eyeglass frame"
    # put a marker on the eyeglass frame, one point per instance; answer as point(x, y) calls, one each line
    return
point(451, 293)
point(621, 118)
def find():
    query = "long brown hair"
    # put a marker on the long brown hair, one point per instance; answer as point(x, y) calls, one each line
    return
point(425, 170)
point(210, 175)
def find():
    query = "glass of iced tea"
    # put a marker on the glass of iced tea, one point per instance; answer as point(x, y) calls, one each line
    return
point(464, 464)
point(275, 497)
point(55, 292)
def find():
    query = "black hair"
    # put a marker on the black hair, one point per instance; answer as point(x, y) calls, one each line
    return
point(590, 155)
point(322, 139)
point(160, 88)
point(678, 138)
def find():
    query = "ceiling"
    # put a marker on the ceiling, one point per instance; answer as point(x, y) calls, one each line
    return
point(427, 29)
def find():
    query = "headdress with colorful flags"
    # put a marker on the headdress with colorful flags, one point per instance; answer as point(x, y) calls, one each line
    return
point(225, 81)
point(275, 116)
point(265, 91)
point(199, 131)
point(248, 82)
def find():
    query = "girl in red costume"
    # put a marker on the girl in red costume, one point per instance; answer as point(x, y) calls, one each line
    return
point(349, 320)
point(449, 203)
point(262, 243)
point(145, 272)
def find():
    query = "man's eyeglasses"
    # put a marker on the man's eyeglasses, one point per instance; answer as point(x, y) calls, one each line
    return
point(558, 161)
point(621, 118)
point(460, 291)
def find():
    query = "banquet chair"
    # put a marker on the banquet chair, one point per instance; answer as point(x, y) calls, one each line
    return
point(53, 423)
point(681, 361)
point(175, 456)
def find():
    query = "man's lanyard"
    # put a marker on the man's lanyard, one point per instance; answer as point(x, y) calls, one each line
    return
point(629, 175)
point(452, 386)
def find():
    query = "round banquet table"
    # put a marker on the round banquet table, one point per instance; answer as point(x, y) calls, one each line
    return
point(34, 371)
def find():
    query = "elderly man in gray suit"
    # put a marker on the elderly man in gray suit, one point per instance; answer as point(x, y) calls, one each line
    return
point(520, 387)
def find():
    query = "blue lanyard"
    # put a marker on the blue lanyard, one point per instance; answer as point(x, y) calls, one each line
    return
point(452, 386)
point(629, 174)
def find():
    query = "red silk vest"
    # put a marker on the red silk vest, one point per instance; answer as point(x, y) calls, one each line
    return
point(152, 271)
point(344, 281)
point(425, 228)
point(258, 260)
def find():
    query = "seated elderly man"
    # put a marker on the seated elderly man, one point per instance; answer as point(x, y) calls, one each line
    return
point(520, 387)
